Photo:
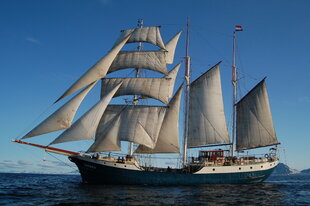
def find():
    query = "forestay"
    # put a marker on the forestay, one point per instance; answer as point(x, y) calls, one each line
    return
point(254, 120)
point(134, 123)
point(62, 118)
point(85, 127)
point(168, 138)
point(207, 124)
point(157, 88)
point(145, 34)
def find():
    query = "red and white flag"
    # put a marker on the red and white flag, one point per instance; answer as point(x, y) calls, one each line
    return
point(238, 28)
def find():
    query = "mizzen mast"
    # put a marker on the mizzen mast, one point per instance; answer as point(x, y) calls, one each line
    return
point(234, 83)
point(187, 88)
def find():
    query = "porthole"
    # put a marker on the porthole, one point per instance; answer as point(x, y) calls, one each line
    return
point(251, 167)
point(114, 164)
point(213, 169)
point(261, 166)
point(239, 168)
point(124, 165)
point(270, 164)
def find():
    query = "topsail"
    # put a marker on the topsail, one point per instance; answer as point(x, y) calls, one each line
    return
point(157, 88)
point(145, 34)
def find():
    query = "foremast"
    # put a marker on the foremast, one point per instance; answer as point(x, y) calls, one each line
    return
point(135, 98)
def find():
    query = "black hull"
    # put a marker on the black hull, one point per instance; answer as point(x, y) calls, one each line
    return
point(95, 173)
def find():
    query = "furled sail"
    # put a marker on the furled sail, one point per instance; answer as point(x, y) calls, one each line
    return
point(157, 88)
point(170, 47)
point(207, 124)
point(254, 120)
point(145, 34)
point(136, 123)
point(62, 118)
point(85, 127)
point(168, 138)
point(96, 72)
point(152, 60)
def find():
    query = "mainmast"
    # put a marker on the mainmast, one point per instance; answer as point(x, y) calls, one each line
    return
point(187, 84)
point(234, 83)
point(135, 98)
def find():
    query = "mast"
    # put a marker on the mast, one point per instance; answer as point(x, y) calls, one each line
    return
point(187, 84)
point(234, 83)
point(135, 98)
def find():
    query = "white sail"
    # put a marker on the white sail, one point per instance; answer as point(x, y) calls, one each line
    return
point(170, 47)
point(62, 118)
point(96, 72)
point(168, 138)
point(145, 34)
point(139, 124)
point(254, 120)
point(157, 88)
point(152, 60)
point(85, 127)
point(207, 124)
point(107, 138)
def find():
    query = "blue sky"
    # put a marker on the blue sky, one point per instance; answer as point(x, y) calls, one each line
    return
point(46, 45)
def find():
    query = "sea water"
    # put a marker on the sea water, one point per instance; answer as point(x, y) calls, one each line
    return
point(43, 189)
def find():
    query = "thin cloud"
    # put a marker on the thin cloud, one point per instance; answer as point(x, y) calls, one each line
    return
point(5, 164)
point(105, 2)
point(33, 40)
point(24, 162)
point(53, 164)
point(304, 99)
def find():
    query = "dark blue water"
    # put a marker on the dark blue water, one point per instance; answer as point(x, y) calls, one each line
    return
point(34, 189)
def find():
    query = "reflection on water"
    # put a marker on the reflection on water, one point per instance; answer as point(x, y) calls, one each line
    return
point(30, 189)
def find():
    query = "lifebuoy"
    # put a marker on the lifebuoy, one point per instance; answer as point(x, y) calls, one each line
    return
point(266, 156)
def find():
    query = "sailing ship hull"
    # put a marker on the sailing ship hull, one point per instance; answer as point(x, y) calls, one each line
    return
point(104, 172)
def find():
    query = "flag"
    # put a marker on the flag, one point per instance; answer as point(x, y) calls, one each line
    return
point(238, 28)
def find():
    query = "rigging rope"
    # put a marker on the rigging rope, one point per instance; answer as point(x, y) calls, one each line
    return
point(62, 162)
point(19, 137)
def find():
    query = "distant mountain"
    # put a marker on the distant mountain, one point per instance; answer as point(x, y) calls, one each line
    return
point(283, 169)
point(307, 171)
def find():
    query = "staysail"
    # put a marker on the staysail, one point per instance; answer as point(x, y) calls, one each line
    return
point(96, 72)
point(157, 88)
point(254, 120)
point(107, 137)
point(207, 124)
point(170, 47)
point(62, 118)
point(168, 138)
point(85, 127)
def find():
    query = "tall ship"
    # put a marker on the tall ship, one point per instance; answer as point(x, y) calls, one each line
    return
point(153, 130)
